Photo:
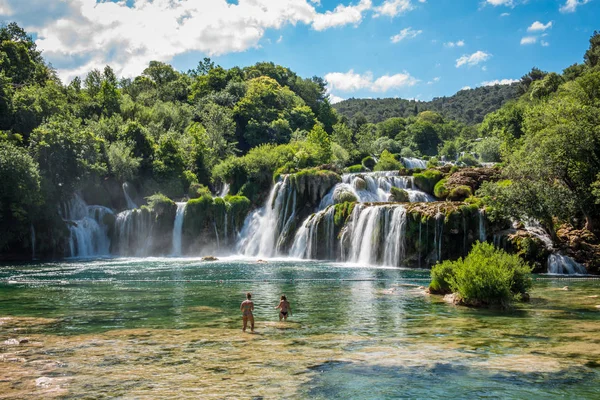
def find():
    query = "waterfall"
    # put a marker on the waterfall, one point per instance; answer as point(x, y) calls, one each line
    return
point(265, 229)
point(438, 235)
point(133, 233)
point(374, 187)
point(482, 233)
point(560, 264)
point(32, 229)
point(376, 235)
point(178, 229)
point(88, 234)
point(536, 229)
point(412, 163)
point(224, 190)
point(309, 244)
point(130, 203)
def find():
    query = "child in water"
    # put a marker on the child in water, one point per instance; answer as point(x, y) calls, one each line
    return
point(284, 307)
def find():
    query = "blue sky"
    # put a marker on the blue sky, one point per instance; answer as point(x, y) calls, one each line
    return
point(364, 48)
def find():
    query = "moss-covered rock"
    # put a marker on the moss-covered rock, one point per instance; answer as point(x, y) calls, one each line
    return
point(342, 213)
point(399, 195)
point(460, 193)
point(313, 184)
point(427, 180)
point(368, 163)
point(440, 191)
point(355, 169)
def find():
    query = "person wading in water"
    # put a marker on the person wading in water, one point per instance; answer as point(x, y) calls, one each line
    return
point(284, 308)
point(247, 307)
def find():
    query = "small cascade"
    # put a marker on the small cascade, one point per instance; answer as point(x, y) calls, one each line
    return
point(412, 163)
point(224, 190)
point(178, 229)
point(32, 242)
point(438, 235)
point(315, 238)
point(88, 231)
point(130, 203)
point(536, 229)
point(133, 233)
point(561, 264)
point(374, 187)
point(375, 235)
point(265, 230)
point(482, 233)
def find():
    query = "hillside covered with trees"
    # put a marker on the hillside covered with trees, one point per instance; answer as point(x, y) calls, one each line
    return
point(468, 106)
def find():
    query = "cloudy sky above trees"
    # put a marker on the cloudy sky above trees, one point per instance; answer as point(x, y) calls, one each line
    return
point(364, 48)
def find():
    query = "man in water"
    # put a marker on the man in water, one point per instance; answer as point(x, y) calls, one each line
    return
point(247, 307)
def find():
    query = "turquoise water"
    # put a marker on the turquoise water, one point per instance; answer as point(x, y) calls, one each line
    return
point(356, 332)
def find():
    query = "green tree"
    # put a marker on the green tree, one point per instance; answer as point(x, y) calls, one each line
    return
point(121, 162)
point(592, 55)
point(320, 139)
point(20, 195)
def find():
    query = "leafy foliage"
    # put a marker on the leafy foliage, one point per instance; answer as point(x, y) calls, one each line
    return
point(487, 276)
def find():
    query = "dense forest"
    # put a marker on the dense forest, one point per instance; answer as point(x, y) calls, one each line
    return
point(175, 135)
point(468, 106)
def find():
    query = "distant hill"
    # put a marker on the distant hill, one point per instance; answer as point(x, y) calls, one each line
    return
point(469, 106)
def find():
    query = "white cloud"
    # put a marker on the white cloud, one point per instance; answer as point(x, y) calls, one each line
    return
point(5, 9)
point(495, 3)
point(434, 80)
point(79, 35)
point(341, 15)
point(499, 82)
point(571, 5)
point(505, 14)
point(544, 43)
point(529, 40)
point(280, 39)
point(466, 88)
point(537, 26)
point(473, 59)
point(406, 33)
point(459, 43)
point(351, 81)
point(392, 8)
point(333, 99)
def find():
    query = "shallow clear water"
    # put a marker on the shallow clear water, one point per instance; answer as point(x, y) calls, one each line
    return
point(155, 327)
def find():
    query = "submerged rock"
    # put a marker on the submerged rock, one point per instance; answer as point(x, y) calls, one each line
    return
point(209, 258)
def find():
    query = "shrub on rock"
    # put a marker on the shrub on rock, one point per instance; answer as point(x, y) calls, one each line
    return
point(486, 277)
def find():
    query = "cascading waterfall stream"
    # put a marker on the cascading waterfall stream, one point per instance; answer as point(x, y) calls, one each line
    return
point(374, 187)
point(482, 233)
point(178, 229)
point(88, 232)
point(376, 235)
point(32, 242)
point(307, 242)
point(560, 264)
point(412, 163)
point(130, 203)
point(263, 229)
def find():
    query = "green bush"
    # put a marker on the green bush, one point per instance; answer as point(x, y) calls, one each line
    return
point(399, 195)
point(440, 278)
point(387, 162)
point(368, 162)
point(427, 180)
point(158, 202)
point(486, 277)
point(433, 162)
point(460, 193)
point(468, 160)
point(440, 191)
point(355, 168)
point(198, 190)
